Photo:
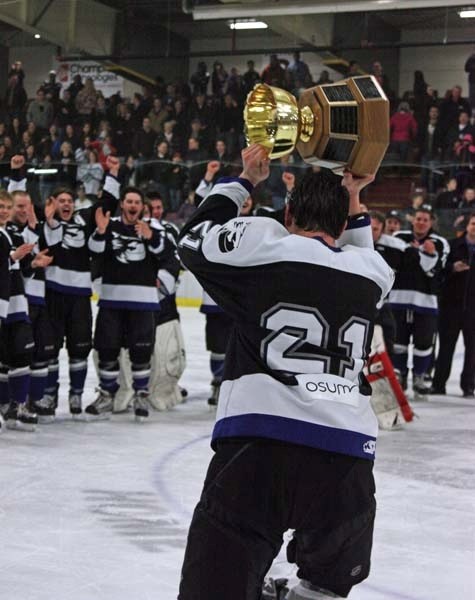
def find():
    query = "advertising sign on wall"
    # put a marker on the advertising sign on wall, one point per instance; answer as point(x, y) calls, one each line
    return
point(105, 81)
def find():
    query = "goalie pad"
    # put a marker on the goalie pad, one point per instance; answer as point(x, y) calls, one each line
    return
point(388, 399)
point(125, 393)
point(168, 364)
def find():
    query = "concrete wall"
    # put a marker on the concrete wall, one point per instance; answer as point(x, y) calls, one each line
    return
point(37, 62)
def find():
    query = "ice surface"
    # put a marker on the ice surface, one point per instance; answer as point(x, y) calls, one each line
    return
point(99, 511)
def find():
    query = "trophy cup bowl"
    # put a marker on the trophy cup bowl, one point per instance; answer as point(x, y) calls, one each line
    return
point(343, 125)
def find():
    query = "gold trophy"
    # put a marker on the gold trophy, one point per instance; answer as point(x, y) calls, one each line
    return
point(343, 125)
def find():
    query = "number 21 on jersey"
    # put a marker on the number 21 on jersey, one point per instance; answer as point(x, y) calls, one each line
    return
point(293, 325)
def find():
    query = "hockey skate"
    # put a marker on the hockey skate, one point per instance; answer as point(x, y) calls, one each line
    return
point(274, 589)
point(75, 404)
point(2, 424)
point(184, 393)
point(304, 590)
point(101, 408)
point(141, 405)
point(402, 378)
point(45, 409)
point(213, 399)
point(420, 388)
point(19, 417)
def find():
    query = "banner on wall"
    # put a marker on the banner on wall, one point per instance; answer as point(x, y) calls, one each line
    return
point(105, 81)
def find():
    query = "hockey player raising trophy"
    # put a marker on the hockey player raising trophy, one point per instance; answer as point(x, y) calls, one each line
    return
point(343, 125)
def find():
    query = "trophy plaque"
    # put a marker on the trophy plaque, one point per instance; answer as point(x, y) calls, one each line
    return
point(343, 125)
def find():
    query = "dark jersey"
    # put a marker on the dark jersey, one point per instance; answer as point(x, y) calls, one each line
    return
point(4, 274)
point(34, 279)
point(417, 284)
point(168, 274)
point(70, 272)
point(168, 277)
point(303, 317)
point(129, 265)
point(392, 249)
point(17, 303)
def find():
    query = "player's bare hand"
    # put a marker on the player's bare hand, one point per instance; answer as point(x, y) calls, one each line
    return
point(50, 209)
point(355, 184)
point(211, 169)
point(429, 247)
point(143, 230)
point(42, 259)
point(22, 251)
point(256, 161)
point(102, 220)
point(17, 161)
point(113, 165)
point(289, 180)
point(460, 266)
point(31, 215)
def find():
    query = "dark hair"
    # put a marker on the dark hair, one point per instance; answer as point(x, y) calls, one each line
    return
point(320, 202)
point(153, 195)
point(130, 189)
point(427, 209)
point(62, 190)
point(375, 214)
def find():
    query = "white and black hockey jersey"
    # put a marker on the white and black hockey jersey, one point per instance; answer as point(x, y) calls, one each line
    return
point(303, 319)
point(417, 284)
point(70, 272)
point(5, 265)
point(129, 265)
point(169, 267)
point(17, 302)
point(34, 279)
point(397, 253)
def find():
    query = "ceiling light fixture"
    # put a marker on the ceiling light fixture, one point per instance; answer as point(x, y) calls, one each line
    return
point(37, 36)
point(384, 1)
point(247, 24)
point(467, 13)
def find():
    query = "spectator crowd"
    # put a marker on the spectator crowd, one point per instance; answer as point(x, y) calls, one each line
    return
point(165, 135)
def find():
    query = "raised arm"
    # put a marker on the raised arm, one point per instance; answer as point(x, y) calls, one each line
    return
point(358, 229)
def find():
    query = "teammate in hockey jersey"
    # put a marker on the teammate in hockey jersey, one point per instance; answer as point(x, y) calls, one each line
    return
point(4, 275)
point(69, 286)
point(413, 299)
point(4, 288)
point(399, 255)
point(26, 223)
point(129, 248)
point(295, 434)
point(168, 359)
point(16, 339)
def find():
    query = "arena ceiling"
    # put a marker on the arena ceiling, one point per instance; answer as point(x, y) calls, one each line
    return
point(198, 19)
point(195, 20)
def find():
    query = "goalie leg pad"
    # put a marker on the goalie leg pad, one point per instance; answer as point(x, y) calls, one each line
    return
point(168, 364)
